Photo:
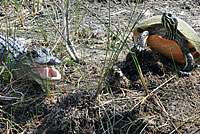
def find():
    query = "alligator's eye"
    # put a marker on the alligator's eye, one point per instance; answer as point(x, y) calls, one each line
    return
point(34, 53)
point(46, 50)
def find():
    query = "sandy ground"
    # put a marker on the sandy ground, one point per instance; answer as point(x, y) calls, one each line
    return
point(120, 107)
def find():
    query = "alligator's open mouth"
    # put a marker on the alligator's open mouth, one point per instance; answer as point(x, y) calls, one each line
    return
point(47, 72)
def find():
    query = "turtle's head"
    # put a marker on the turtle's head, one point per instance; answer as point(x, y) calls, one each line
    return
point(170, 23)
point(40, 65)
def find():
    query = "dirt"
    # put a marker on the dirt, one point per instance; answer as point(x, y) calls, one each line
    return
point(120, 107)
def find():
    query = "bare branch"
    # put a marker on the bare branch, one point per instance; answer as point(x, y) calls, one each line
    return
point(69, 47)
point(67, 30)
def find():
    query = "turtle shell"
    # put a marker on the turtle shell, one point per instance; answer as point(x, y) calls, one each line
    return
point(187, 39)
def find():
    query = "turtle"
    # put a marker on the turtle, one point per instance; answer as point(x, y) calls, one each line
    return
point(172, 37)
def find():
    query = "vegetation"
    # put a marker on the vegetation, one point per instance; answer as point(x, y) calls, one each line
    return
point(91, 38)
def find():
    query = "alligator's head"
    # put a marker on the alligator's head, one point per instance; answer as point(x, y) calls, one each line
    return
point(39, 65)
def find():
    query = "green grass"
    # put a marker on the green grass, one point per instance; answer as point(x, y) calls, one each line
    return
point(26, 23)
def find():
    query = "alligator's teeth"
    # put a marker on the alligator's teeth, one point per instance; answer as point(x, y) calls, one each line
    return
point(47, 72)
point(53, 74)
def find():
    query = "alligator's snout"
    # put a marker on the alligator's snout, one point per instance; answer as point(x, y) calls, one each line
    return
point(43, 63)
point(43, 57)
point(54, 61)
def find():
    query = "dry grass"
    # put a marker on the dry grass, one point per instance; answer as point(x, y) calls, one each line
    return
point(83, 101)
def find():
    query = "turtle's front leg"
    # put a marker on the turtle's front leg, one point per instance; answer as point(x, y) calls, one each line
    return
point(189, 65)
point(141, 43)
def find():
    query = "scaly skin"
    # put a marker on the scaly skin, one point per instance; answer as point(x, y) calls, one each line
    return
point(34, 65)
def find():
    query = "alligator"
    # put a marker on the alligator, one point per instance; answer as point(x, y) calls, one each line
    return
point(35, 64)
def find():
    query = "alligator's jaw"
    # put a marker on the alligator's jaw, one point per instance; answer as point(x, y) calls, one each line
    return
point(49, 73)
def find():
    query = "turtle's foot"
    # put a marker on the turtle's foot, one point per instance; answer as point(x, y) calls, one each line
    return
point(184, 74)
point(141, 45)
point(140, 48)
point(186, 71)
point(189, 66)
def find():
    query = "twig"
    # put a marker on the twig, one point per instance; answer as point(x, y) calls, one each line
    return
point(9, 98)
point(150, 94)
